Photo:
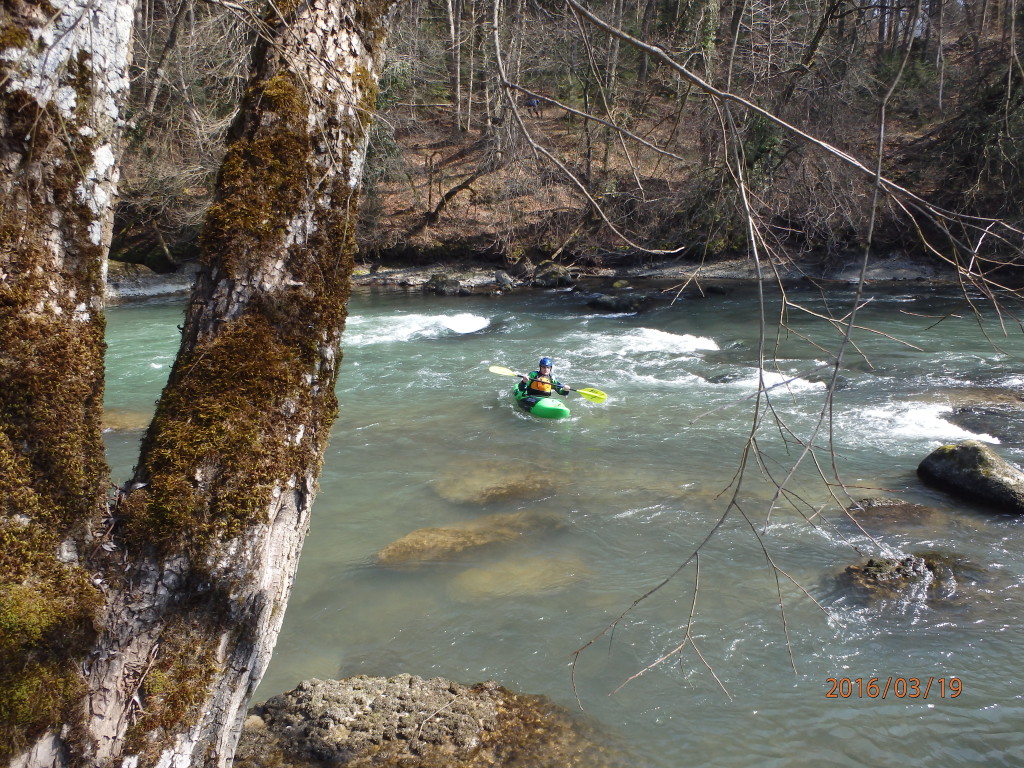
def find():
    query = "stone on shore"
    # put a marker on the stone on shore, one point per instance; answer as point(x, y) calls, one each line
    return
point(126, 281)
point(550, 274)
point(445, 285)
point(972, 470)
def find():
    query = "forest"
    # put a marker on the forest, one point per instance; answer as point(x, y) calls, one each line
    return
point(512, 131)
point(135, 621)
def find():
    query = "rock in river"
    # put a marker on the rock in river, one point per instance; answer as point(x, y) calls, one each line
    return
point(885, 512)
point(412, 722)
point(425, 544)
point(490, 482)
point(932, 577)
point(518, 576)
point(974, 471)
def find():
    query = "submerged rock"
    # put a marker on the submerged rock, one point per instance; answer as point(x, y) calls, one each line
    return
point(974, 471)
point(885, 511)
point(620, 302)
point(888, 577)
point(122, 419)
point(425, 544)
point(412, 722)
point(1004, 424)
point(490, 482)
point(518, 576)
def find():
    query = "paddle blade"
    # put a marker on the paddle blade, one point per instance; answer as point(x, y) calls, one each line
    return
point(593, 395)
point(502, 371)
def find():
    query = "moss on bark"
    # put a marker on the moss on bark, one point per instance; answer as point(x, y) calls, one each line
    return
point(52, 466)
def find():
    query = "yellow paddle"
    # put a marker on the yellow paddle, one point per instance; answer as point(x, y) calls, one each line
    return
point(591, 394)
point(588, 393)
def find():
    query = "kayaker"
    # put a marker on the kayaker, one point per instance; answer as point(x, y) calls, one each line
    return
point(540, 383)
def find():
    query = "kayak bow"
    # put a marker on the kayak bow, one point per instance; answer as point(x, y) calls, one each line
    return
point(544, 407)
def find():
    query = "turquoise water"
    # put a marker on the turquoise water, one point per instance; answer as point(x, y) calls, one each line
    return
point(609, 503)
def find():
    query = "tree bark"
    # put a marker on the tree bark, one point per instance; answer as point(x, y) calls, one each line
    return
point(454, 59)
point(63, 77)
point(201, 547)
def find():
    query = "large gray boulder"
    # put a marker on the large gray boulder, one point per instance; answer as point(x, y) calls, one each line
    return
point(552, 275)
point(411, 722)
point(445, 285)
point(974, 471)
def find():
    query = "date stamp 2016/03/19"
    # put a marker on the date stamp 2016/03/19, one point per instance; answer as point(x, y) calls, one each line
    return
point(896, 687)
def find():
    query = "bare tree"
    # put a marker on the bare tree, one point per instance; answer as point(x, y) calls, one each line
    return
point(959, 239)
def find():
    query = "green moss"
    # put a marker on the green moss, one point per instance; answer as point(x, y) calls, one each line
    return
point(13, 37)
point(214, 452)
point(283, 10)
point(47, 611)
point(368, 89)
point(52, 468)
point(175, 687)
point(29, 698)
point(262, 179)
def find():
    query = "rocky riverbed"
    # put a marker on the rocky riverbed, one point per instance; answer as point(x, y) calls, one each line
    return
point(130, 281)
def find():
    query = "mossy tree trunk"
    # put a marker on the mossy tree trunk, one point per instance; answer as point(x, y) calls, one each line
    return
point(198, 556)
point(62, 80)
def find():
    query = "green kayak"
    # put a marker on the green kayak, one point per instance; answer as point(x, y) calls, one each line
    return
point(545, 407)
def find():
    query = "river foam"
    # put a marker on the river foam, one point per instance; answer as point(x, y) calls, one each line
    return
point(909, 421)
point(364, 332)
point(650, 341)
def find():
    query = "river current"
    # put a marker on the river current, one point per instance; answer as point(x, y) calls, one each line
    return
point(565, 524)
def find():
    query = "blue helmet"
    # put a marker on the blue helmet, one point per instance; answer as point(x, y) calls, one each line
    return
point(546, 361)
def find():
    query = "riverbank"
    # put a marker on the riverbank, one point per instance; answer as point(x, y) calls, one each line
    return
point(474, 278)
point(133, 281)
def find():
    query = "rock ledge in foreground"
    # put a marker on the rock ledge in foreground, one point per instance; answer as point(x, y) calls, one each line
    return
point(410, 721)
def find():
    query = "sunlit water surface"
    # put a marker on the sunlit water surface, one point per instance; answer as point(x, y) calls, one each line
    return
point(629, 488)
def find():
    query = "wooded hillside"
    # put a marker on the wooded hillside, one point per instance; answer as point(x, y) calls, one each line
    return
point(597, 148)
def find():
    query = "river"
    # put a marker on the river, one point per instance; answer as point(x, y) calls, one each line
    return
point(607, 504)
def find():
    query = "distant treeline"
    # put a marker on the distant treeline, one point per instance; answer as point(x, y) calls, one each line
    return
point(623, 147)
